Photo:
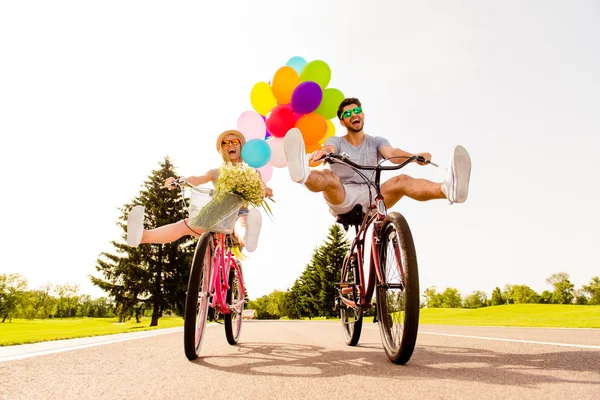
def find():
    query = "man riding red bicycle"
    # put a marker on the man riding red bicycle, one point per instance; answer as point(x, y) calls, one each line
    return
point(343, 188)
point(359, 200)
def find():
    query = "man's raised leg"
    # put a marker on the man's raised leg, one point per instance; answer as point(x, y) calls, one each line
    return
point(455, 187)
point(323, 181)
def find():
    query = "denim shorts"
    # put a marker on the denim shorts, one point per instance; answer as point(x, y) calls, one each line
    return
point(243, 211)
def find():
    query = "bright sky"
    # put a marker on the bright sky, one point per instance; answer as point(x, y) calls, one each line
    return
point(93, 95)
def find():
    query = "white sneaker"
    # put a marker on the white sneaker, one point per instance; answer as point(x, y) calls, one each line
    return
point(254, 223)
point(456, 185)
point(293, 146)
point(135, 226)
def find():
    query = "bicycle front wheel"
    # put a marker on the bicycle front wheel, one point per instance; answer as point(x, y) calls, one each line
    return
point(350, 315)
point(198, 296)
point(398, 294)
point(235, 300)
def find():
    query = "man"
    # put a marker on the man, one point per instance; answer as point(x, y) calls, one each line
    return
point(343, 188)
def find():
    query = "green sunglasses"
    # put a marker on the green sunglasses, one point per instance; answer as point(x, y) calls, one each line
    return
point(348, 113)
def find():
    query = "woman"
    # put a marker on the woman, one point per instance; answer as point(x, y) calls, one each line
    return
point(247, 226)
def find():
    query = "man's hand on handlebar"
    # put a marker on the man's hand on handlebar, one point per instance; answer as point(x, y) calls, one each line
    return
point(316, 156)
point(425, 158)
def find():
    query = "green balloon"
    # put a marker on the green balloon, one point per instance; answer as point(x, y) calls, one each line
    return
point(317, 71)
point(330, 103)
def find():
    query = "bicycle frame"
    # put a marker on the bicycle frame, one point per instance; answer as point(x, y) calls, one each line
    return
point(374, 216)
point(222, 257)
point(223, 260)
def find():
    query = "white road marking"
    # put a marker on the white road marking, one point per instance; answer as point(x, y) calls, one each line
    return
point(84, 346)
point(584, 346)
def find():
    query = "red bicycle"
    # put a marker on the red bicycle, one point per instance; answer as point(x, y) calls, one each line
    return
point(393, 270)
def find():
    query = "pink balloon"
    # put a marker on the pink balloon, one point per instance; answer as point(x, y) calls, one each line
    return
point(252, 125)
point(266, 172)
point(278, 159)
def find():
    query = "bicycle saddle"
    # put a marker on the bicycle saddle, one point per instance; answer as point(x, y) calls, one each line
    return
point(352, 218)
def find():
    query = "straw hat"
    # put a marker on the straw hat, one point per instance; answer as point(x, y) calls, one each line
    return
point(220, 138)
point(233, 132)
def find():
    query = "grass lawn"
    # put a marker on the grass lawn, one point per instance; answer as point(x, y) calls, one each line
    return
point(526, 315)
point(533, 315)
point(21, 331)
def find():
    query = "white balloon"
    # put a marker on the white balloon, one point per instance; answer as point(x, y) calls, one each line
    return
point(278, 159)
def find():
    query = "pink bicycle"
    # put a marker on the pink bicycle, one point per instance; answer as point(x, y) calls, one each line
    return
point(216, 287)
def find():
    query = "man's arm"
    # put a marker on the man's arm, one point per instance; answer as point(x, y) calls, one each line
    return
point(314, 156)
point(389, 152)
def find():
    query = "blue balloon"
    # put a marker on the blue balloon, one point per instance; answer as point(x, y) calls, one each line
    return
point(297, 63)
point(256, 153)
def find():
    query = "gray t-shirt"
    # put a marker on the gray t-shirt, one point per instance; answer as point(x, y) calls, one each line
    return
point(366, 153)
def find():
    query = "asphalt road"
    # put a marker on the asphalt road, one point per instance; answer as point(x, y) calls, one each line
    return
point(293, 359)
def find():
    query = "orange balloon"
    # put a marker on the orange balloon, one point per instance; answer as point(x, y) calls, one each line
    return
point(284, 82)
point(313, 127)
point(309, 148)
point(330, 131)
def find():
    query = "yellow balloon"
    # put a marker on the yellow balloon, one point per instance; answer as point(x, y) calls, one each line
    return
point(330, 131)
point(262, 99)
point(284, 82)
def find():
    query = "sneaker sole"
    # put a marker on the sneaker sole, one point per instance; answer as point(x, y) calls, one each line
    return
point(461, 168)
point(293, 147)
point(135, 226)
point(254, 223)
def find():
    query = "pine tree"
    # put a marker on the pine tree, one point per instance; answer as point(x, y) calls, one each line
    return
point(314, 292)
point(327, 261)
point(149, 276)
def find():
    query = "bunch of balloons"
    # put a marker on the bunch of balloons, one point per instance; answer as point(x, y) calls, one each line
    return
point(297, 96)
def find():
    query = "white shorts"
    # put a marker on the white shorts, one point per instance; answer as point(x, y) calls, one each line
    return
point(356, 193)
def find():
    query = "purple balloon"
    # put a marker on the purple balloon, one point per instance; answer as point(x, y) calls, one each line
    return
point(306, 97)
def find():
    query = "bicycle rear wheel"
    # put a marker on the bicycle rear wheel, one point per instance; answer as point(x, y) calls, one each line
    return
point(198, 296)
point(398, 297)
point(235, 300)
point(351, 316)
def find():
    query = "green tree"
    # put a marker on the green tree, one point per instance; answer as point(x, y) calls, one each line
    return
point(520, 294)
point(149, 276)
point(275, 303)
point(546, 297)
point(564, 290)
point(313, 293)
point(433, 299)
point(12, 291)
point(593, 290)
point(497, 299)
point(67, 301)
point(580, 298)
point(477, 299)
point(328, 261)
point(261, 308)
point(451, 298)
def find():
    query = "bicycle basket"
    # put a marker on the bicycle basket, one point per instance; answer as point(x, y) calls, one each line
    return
point(214, 212)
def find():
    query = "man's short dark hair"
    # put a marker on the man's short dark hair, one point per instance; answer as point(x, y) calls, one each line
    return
point(347, 102)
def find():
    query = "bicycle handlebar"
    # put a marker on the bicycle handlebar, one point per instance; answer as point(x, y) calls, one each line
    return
point(344, 158)
point(182, 181)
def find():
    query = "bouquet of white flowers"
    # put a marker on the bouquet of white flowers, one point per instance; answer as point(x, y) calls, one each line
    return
point(236, 185)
